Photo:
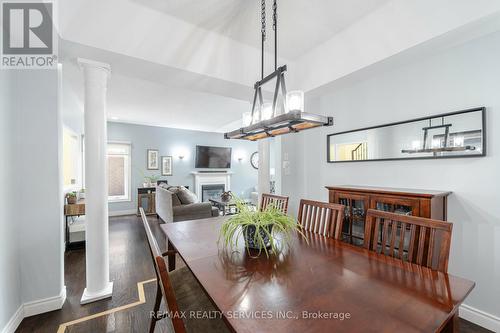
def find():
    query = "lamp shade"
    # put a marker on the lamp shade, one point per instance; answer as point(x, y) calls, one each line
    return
point(247, 119)
point(266, 111)
point(295, 101)
point(256, 116)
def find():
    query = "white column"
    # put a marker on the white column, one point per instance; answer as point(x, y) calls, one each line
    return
point(96, 183)
point(264, 167)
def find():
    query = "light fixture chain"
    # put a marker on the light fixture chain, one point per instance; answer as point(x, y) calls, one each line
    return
point(275, 14)
point(275, 28)
point(263, 19)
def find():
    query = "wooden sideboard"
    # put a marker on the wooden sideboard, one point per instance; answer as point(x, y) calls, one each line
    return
point(70, 210)
point(358, 199)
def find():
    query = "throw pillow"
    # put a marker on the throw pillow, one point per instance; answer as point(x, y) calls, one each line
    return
point(175, 198)
point(186, 196)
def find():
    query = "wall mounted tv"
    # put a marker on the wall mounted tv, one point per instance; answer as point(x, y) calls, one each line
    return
point(213, 157)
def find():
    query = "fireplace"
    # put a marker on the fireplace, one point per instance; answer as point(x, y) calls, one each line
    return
point(212, 191)
point(222, 179)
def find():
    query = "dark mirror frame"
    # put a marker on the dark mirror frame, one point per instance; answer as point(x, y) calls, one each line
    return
point(483, 115)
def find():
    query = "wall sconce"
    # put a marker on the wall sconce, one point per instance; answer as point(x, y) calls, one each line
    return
point(181, 153)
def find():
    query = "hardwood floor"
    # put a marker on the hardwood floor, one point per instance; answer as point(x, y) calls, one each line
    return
point(130, 263)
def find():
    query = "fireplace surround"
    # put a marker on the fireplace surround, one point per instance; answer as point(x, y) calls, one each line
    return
point(219, 178)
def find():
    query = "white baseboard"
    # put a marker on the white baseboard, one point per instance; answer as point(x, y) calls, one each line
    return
point(122, 212)
point(45, 305)
point(14, 321)
point(479, 317)
point(89, 297)
point(33, 308)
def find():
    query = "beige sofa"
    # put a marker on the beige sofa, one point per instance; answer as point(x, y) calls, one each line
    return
point(169, 207)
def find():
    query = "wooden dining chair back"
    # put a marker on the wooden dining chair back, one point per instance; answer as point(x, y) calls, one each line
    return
point(278, 201)
point(321, 217)
point(164, 285)
point(418, 240)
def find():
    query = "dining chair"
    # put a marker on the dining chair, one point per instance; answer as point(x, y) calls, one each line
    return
point(321, 217)
point(181, 292)
point(418, 240)
point(280, 202)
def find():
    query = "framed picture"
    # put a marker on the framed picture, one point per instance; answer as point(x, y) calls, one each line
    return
point(152, 160)
point(166, 165)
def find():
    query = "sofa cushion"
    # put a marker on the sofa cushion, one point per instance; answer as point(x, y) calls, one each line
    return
point(175, 199)
point(192, 211)
point(186, 196)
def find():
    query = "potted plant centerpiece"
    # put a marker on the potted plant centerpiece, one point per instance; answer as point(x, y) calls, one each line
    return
point(263, 231)
point(71, 198)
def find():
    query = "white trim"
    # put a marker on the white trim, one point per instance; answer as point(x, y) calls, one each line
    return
point(45, 305)
point(210, 178)
point(82, 62)
point(122, 212)
point(89, 297)
point(479, 317)
point(118, 199)
point(14, 321)
point(118, 142)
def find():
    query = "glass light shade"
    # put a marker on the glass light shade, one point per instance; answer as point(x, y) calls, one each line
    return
point(247, 119)
point(295, 101)
point(256, 116)
point(458, 141)
point(266, 111)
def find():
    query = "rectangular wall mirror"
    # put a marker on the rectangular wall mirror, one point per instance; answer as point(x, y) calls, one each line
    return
point(456, 134)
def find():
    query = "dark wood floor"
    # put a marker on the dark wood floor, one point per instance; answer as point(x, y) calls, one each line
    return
point(130, 263)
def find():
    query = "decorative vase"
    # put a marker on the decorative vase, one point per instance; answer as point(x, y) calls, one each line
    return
point(71, 200)
point(226, 196)
point(249, 235)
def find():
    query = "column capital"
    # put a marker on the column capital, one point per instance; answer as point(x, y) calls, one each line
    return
point(87, 63)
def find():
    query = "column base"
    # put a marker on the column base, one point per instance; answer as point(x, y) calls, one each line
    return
point(97, 296)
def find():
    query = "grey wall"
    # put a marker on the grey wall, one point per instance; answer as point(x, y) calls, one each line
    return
point(31, 221)
point(38, 182)
point(168, 141)
point(459, 78)
point(10, 289)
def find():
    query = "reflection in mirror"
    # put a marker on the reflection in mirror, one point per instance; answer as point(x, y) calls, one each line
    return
point(457, 134)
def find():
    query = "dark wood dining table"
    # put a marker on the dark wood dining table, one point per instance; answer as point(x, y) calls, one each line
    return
point(318, 285)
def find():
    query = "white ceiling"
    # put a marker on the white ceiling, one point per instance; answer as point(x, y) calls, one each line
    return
point(192, 63)
point(302, 24)
point(136, 100)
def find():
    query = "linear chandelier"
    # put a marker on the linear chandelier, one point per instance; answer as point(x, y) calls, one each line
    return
point(271, 119)
point(439, 145)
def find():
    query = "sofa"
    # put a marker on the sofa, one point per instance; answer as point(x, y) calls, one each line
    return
point(176, 203)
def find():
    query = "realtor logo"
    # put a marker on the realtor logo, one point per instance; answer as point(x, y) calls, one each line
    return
point(28, 35)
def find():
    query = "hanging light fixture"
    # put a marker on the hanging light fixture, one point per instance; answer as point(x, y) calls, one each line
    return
point(264, 121)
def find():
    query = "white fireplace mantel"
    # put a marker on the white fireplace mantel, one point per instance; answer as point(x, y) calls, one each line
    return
point(211, 178)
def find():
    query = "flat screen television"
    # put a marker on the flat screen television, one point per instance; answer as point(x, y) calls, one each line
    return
point(213, 157)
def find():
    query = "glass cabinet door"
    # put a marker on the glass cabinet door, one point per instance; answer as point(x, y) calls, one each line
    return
point(356, 207)
point(404, 206)
point(401, 206)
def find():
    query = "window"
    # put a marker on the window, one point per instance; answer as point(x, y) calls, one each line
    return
point(72, 160)
point(119, 165)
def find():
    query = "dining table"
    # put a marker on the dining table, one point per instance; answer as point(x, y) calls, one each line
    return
point(314, 283)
